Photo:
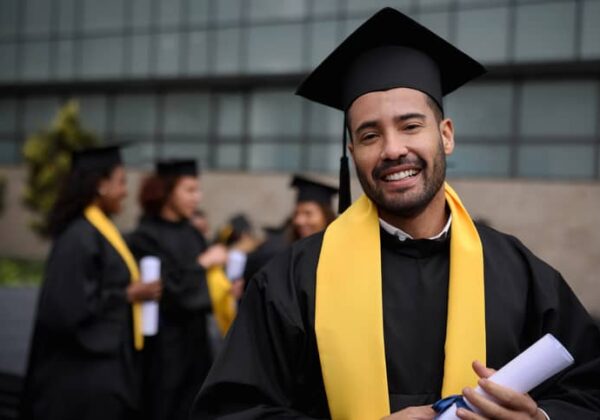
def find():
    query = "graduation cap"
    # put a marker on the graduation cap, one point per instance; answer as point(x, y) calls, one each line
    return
point(177, 167)
point(389, 50)
point(96, 159)
point(309, 190)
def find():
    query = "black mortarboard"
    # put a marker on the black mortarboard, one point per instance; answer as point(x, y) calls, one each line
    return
point(390, 50)
point(309, 190)
point(177, 167)
point(96, 159)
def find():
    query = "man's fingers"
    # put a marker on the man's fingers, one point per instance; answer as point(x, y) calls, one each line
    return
point(488, 409)
point(509, 398)
point(481, 370)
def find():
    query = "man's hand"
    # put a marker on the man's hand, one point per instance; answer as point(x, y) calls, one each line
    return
point(214, 255)
point(139, 292)
point(508, 404)
point(422, 412)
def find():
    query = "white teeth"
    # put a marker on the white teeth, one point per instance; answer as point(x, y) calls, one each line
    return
point(401, 175)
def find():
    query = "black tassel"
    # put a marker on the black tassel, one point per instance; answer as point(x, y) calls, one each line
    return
point(345, 197)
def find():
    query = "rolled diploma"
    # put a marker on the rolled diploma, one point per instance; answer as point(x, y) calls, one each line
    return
point(150, 271)
point(543, 359)
point(236, 263)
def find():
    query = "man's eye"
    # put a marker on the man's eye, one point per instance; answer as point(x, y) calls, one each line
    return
point(412, 127)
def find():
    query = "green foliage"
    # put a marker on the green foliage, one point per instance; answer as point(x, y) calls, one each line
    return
point(20, 272)
point(48, 157)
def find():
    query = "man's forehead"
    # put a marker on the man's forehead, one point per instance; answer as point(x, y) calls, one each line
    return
point(391, 101)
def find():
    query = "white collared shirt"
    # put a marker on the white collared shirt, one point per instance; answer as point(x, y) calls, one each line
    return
point(403, 236)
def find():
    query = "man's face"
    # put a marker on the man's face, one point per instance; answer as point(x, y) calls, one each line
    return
point(399, 149)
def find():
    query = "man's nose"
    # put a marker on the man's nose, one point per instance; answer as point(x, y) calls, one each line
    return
point(394, 147)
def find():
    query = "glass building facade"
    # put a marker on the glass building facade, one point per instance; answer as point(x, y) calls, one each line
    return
point(215, 79)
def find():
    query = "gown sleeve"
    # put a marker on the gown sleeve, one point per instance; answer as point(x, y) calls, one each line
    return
point(576, 393)
point(75, 302)
point(184, 283)
point(268, 366)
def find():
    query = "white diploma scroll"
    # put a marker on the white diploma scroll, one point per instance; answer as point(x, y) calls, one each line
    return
point(150, 271)
point(545, 358)
point(236, 263)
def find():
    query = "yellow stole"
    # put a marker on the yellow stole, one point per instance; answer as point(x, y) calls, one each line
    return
point(349, 314)
point(110, 232)
point(223, 302)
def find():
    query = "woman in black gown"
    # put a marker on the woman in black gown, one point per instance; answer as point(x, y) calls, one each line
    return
point(82, 363)
point(177, 358)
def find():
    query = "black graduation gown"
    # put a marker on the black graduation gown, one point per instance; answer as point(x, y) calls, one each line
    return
point(177, 359)
point(82, 363)
point(269, 366)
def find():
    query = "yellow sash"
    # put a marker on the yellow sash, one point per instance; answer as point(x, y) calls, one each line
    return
point(223, 302)
point(349, 314)
point(104, 225)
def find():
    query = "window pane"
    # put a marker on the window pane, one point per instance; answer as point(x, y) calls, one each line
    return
point(574, 114)
point(479, 160)
point(140, 55)
point(8, 18)
point(187, 113)
point(102, 57)
point(438, 22)
point(230, 115)
point(366, 8)
point(323, 40)
point(66, 17)
point(325, 121)
point(229, 156)
point(537, 35)
point(9, 151)
point(65, 60)
point(8, 69)
point(8, 116)
point(142, 17)
point(324, 157)
point(92, 110)
point(198, 12)
point(435, 3)
point(228, 10)
point(169, 12)
point(276, 156)
point(590, 47)
point(275, 113)
point(139, 154)
point(177, 149)
point(197, 53)
point(135, 114)
point(103, 15)
point(324, 8)
point(481, 110)
point(275, 48)
point(227, 51)
point(167, 54)
point(36, 60)
point(37, 17)
point(39, 113)
point(568, 161)
point(277, 9)
point(483, 33)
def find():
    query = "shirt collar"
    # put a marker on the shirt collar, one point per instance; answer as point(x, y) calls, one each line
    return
point(403, 236)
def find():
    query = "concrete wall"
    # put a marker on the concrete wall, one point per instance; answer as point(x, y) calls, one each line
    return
point(558, 221)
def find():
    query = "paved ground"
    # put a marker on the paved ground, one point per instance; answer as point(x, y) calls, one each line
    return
point(17, 307)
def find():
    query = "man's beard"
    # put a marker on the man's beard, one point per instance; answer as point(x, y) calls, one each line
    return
point(399, 204)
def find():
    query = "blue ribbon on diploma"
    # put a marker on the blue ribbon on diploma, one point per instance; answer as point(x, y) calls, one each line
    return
point(445, 403)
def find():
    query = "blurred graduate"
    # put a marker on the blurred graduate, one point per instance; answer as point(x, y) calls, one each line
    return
point(84, 359)
point(177, 359)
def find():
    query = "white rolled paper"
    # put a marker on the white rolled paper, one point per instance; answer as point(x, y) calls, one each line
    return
point(150, 271)
point(543, 359)
point(236, 263)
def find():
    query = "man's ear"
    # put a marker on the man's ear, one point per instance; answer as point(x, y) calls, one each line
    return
point(447, 133)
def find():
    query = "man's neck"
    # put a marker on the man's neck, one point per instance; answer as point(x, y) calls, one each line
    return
point(425, 224)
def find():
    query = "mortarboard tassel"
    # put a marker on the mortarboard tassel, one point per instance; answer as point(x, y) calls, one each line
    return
point(345, 197)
